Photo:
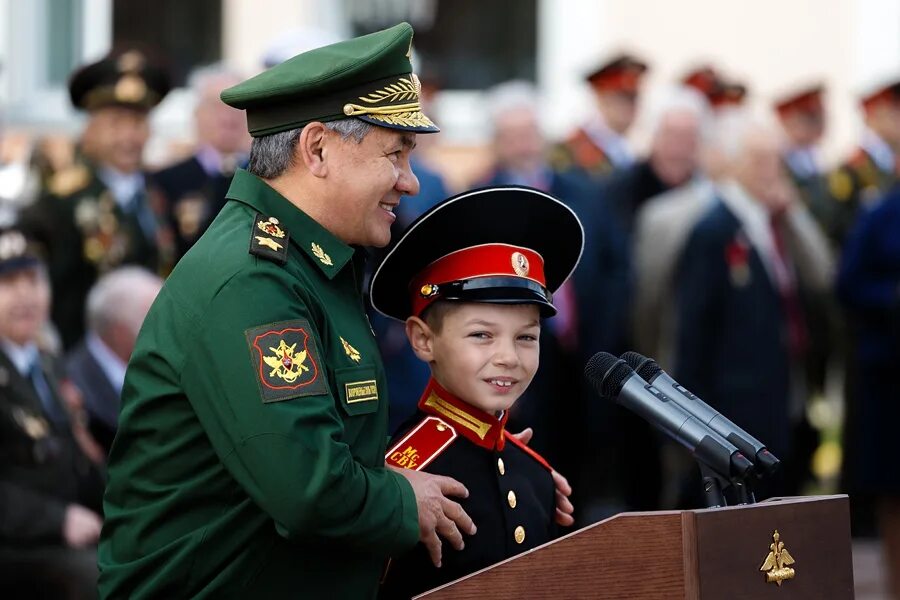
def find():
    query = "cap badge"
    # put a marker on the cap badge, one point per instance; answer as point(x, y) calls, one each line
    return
point(320, 254)
point(520, 264)
point(428, 290)
point(131, 88)
point(271, 227)
point(352, 352)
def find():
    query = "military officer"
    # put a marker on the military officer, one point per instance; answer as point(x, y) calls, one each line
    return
point(599, 147)
point(98, 215)
point(194, 188)
point(50, 491)
point(872, 169)
point(249, 459)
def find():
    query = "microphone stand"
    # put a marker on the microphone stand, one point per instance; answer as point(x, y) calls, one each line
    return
point(715, 486)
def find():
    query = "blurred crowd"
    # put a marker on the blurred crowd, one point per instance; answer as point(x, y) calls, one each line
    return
point(762, 279)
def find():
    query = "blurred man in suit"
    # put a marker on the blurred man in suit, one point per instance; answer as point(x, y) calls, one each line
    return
point(194, 189)
point(50, 493)
point(116, 307)
point(741, 333)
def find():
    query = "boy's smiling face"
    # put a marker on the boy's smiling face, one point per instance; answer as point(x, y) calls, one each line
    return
point(485, 354)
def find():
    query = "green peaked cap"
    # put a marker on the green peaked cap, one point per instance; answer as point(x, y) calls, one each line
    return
point(369, 77)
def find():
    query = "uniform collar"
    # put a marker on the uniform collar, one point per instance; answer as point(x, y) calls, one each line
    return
point(23, 358)
point(879, 150)
point(324, 250)
point(479, 427)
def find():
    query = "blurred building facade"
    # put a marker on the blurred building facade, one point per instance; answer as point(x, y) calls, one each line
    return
point(468, 45)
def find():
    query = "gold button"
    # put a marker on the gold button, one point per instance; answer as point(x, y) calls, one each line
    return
point(520, 534)
point(441, 427)
point(501, 467)
point(511, 498)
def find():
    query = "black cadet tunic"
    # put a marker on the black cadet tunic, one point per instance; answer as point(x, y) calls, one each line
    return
point(511, 492)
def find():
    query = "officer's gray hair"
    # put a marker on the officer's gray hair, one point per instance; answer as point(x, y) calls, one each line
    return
point(121, 297)
point(272, 155)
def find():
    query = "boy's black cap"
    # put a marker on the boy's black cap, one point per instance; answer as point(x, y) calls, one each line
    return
point(501, 245)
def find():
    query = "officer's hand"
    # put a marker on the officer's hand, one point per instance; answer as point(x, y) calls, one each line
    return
point(564, 508)
point(81, 527)
point(438, 515)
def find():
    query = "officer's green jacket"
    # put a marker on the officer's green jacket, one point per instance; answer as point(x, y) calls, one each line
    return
point(249, 460)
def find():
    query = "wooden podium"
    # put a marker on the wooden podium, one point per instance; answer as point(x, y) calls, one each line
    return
point(703, 554)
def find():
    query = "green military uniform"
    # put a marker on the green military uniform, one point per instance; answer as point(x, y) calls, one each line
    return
point(85, 230)
point(249, 460)
point(855, 183)
point(86, 233)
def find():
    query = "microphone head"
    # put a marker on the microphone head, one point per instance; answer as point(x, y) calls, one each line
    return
point(645, 367)
point(607, 374)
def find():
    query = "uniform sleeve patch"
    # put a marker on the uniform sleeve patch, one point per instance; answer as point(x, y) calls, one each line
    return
point(421, 445)
point(285, 360)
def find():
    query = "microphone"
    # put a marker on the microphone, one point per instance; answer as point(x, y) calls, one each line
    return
point(612, 378)
point(765, 462)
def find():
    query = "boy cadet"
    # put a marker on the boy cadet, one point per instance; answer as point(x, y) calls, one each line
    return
point(249, 460)
point(472, 300)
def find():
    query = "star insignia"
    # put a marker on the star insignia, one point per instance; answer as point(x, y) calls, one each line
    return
point(268, 243)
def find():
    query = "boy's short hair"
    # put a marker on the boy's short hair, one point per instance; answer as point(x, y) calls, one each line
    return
point(435, 314)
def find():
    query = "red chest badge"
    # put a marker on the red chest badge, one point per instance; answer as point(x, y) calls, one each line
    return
point(285, 360)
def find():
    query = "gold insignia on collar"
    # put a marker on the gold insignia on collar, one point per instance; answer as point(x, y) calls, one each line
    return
point(520, 264)
point(320, 254)
point(352, 352)
point(775, 565)
point(268, 243)
point(271, 227)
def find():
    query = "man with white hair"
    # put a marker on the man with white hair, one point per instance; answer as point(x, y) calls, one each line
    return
point(741, 333)
point(194, 189)
point(116, 307)
point(672, 161)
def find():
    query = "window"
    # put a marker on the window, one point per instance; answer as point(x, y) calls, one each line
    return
point(465, 44)
point(182, 35)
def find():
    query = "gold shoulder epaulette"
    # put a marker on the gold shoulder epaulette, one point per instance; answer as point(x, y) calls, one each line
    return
point(69, 180)
point(268, 240)
point(421, 445)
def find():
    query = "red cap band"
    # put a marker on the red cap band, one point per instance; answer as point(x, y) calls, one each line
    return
point(488, 260)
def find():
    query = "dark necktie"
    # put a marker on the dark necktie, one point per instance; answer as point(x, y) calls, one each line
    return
point(52, 409)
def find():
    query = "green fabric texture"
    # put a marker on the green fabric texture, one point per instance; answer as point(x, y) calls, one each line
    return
point(215, 490)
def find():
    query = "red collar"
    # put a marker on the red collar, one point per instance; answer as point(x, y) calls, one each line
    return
point(479, 427)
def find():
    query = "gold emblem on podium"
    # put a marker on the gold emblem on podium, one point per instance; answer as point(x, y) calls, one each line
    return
point(776, 563)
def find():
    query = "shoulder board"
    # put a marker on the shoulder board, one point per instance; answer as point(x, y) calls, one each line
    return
point(268, 240)
point(69, 180)
point(421, 445)
point(514, 441)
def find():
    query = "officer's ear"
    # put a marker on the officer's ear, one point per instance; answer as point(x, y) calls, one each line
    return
point(421, 338)
point(310, 150)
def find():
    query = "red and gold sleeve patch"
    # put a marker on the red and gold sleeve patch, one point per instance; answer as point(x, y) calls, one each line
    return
point(285, 360)
point(421, 445)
